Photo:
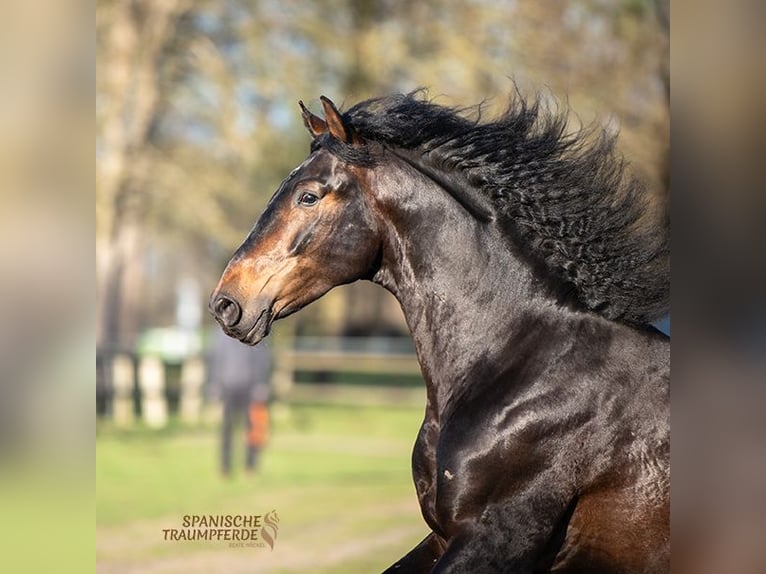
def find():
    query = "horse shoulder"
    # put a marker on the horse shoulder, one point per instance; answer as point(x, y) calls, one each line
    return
point(576, 415)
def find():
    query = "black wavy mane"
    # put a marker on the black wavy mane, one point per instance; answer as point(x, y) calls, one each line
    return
point(566, 199)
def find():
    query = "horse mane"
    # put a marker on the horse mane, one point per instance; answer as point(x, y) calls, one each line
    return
point(564, 198)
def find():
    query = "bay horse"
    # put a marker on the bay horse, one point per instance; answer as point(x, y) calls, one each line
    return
point(526, 260)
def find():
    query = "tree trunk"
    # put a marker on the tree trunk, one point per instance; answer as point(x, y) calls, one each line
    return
point(135, 36)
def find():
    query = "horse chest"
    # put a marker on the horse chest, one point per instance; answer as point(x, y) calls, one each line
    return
point(459, 475)
point(424, 467)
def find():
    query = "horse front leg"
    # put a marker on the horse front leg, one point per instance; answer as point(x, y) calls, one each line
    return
point(421, 559)
point(519, 534)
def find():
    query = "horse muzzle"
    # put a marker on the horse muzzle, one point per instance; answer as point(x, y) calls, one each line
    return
point(250, 325)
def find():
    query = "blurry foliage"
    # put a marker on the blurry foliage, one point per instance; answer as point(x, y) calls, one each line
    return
point(197, 119)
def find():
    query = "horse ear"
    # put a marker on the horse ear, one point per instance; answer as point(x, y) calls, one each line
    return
point(314, 124)
point(335, 125)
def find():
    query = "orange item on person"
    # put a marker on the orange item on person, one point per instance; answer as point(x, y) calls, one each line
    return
point(259, 424)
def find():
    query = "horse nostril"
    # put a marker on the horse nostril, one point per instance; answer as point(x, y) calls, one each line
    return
point(227, 311)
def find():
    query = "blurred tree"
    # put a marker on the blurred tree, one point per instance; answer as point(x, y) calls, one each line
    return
point(132, 38)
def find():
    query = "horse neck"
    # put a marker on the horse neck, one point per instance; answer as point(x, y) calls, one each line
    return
point(461, 285)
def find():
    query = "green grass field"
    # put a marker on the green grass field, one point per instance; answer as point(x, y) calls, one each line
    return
point(339, 478)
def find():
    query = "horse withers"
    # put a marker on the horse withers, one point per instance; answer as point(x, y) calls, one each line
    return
point(525, 260)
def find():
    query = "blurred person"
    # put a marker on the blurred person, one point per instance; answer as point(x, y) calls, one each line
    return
point(240, 377)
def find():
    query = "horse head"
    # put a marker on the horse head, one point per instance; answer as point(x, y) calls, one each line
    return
point(316, 232)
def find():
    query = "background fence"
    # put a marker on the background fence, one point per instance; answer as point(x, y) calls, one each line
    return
point(133, 387)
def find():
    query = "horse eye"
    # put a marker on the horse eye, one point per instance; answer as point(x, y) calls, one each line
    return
point(306, 198)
